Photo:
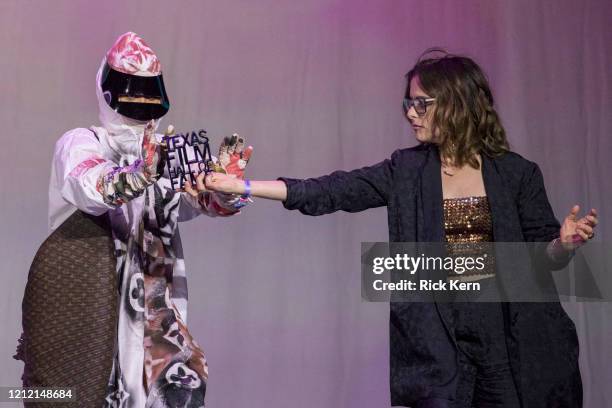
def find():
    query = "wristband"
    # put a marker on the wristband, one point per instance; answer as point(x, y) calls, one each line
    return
point(247, 189)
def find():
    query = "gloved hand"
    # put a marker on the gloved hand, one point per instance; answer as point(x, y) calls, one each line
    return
point(233, 157)
point(122, 184)
point(153, 154)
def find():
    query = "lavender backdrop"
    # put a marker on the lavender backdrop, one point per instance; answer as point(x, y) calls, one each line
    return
point(314, 86)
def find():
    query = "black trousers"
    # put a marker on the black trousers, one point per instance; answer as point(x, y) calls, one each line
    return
point(485, 379)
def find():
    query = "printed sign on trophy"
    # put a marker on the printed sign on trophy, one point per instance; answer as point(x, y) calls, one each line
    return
point(187, 155)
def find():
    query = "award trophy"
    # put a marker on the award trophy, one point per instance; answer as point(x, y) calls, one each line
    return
point(187, 155)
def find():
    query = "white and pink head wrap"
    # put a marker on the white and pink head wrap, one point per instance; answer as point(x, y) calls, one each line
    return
point(131, 55)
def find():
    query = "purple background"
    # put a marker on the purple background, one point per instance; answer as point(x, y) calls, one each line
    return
point(315, 86)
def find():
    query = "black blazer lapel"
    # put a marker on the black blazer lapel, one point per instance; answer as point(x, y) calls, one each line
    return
point(432, 220)
point(504, 215)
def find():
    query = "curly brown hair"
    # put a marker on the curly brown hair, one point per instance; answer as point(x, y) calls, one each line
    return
point(464, 120)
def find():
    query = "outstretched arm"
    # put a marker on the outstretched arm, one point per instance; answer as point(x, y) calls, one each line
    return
point(272, 190)
point(350, 191)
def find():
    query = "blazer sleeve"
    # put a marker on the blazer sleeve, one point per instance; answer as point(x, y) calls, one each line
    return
point(350, 191)
point(538, 222)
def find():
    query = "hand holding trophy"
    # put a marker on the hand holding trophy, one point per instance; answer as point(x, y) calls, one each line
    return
point(153, 153)
point(186, 154)
point(232, 161)
point(233, 157)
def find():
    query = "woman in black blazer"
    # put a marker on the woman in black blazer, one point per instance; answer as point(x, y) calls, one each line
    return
point(442, 354)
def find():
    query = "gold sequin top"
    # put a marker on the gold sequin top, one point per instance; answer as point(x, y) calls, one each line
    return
point(467, 221)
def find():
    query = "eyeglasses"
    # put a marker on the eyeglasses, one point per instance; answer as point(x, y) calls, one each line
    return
point(419, 103)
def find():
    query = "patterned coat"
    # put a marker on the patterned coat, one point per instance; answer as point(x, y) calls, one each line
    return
point(152, 337)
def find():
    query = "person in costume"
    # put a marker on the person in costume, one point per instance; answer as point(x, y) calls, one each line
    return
point(105, 308)
point(460, 185)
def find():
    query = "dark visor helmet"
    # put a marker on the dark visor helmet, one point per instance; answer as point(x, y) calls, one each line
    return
point(136, 97)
